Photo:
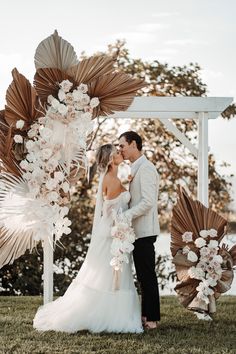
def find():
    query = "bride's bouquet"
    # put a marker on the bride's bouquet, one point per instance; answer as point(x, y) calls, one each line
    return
point(122, 244)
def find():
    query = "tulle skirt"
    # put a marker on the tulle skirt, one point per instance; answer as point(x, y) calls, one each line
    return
point(90, 302)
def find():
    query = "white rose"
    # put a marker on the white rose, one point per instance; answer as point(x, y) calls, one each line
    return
point(213, 244)
point(192, 257)
point(196, 273)
point(51, 184)
point(212, 233)
point(94, 102)
point(200, 242)
point(46, 153)
point(24, 164)
point(211, 282)
point(55, 103)
point(187, 236)
point(62, 109)
point(186, 250)
point(59, 176)
point(66, 85)
point(29, 145)
point(65, 187)
point(18, 139)
point(52, 196)
point(83, 88)
point(61, 95)
point(77, 95)
point(19, 124)
point(218, 259)
point(50, 99)
point(46, 133)
point(32, 133)
point(84, 100)
point(203, 233)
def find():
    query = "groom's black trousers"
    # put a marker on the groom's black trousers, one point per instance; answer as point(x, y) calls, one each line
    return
point(144, 261)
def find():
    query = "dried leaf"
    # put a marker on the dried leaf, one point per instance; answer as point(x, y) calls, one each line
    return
point(92, 68)
point(55, 52)
point(46, 82)
point(115, 91)
point(22, 101)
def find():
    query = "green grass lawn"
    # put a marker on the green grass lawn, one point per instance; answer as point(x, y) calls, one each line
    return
point(180, 332)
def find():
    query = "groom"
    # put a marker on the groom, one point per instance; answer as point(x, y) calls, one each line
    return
point(143, 213)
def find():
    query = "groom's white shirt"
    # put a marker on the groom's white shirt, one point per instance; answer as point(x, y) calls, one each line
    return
point(144, 195)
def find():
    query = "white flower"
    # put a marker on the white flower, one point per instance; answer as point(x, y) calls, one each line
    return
point(55, 103)
point(19, 124)
point(52, 196)
point(51, 184)
point(46, 153)
point(212, 233)
point(218, 259)
point(18, 139)
point(77, 95)
point(59, 176)
point(211, 282)
point(94, 102)
point(83, 88)
point(46, 133)
point(127, 247)
point(61, 95)
point(29, 145)
point(65, 187)
point(192, 257)
point(196, 273)
point(213, 244)
point(203, 233)
point(186, 250)
point(24, 165)
point(187, 236)
point(200, 242)
point(62, 109)
point(84, 100)
point(66, 85)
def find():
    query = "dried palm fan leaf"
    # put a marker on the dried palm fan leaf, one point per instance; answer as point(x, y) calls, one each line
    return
point(21, 218)
point(46, 82)
point(55, 52)
point(191, 215)
point(22, 101)
point(8, 163)
point(115, 91)
point(3, 124)
point(90, 69)
point(14, 245)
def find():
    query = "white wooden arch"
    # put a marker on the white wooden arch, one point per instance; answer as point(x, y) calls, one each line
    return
point(166, 109)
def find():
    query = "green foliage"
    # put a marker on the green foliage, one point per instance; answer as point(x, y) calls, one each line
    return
point(180, 332)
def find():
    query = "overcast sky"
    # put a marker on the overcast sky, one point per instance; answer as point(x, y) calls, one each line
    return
point(177, 32)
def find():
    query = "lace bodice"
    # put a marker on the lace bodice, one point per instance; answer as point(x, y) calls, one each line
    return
point(119, 202)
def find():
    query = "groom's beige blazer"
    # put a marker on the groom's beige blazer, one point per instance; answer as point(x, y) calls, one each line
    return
point(144, 189)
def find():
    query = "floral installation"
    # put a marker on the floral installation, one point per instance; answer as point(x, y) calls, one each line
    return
point(122, 244)
point(204, 264)
point(43, 139)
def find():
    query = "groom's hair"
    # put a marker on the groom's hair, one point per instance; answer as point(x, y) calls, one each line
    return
point(132, 136)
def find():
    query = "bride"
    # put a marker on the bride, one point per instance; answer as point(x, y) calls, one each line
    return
point(90, 302)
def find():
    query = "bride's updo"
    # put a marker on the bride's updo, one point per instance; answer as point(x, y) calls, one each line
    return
point(104, 156)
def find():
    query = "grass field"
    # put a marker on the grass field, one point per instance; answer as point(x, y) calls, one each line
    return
point(180, 332)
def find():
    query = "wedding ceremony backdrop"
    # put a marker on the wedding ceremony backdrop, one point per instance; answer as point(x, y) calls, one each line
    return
point(44, 136)
point(166, 109)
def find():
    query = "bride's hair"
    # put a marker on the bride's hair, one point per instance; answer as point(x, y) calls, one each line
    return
point(104, 156)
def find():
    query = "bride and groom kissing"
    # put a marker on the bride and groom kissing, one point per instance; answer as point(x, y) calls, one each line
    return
point(90, 302)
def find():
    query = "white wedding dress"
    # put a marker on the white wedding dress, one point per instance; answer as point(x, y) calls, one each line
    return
point(90, 303)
